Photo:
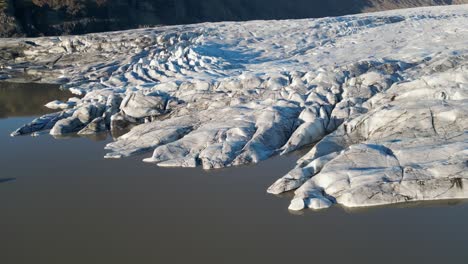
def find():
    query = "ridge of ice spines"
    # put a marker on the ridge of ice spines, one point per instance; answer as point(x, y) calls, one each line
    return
point(372, 92)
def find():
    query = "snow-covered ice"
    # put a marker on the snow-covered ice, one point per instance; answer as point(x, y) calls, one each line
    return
point(381, 99)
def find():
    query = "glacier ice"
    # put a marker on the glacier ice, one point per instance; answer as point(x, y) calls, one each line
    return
point(380, 99)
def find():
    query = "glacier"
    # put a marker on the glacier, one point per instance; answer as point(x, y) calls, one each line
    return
point(380, 99)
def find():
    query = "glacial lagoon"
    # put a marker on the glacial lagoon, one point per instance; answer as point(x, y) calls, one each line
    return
point(62, 202)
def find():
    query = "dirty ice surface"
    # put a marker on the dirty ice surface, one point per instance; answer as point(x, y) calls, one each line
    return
point(382, 99)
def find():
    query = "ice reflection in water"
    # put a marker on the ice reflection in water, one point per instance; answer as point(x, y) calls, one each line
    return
point(23, 99)
point(69, 205)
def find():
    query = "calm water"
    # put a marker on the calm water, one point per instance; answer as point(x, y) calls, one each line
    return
point(61, 202)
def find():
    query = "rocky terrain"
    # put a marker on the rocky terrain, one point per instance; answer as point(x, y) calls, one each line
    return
point(381, 99)
point(58, 17)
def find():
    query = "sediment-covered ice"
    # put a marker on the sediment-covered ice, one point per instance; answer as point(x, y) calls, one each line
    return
point(381, 99)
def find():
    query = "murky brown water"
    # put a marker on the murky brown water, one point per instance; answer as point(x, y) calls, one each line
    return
point(61, 202)
point(30, 101)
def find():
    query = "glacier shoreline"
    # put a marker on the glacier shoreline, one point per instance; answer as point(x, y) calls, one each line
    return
point(382, 98)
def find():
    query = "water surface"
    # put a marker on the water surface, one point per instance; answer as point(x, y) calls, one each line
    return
point(61, 202)
point(23, 99)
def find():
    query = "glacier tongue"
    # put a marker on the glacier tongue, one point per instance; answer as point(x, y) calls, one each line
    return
point(383, 97)
point(411, 145)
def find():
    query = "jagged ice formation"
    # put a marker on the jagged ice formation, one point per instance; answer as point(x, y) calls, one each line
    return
point(382, 99)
